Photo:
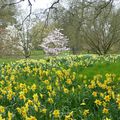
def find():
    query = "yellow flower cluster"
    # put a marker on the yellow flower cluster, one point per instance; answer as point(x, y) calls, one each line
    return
point(42, 90)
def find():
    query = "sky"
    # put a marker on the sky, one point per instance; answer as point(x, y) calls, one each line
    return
point(37, 4)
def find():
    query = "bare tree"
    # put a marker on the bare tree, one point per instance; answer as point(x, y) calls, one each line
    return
point(25, 39)
point(82, 16)
point(101, 35)
point(53, 6)
point(84, 20)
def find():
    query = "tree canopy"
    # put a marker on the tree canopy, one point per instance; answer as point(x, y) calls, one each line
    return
point(7, 13)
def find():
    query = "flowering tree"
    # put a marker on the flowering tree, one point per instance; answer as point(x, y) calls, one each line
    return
point(17, 41)
point(54, 43)
point(9, 42)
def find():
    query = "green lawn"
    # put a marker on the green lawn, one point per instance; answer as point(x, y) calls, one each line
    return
point(102, 69)
point(7, 60)
point(99, 68)
point(35, 54)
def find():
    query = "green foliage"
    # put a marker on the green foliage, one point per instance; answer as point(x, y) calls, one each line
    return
point(7, 13)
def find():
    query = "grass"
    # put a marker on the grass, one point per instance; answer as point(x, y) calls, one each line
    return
point(7, 60)
point(102, 69)
point(35, 54)
point(99, 68)
point(89, 71)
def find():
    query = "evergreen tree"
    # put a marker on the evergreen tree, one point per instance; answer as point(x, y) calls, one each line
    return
point(7, 13)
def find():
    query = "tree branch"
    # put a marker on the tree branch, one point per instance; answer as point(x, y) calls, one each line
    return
point(10, 4)
point(30, 11)
point(100, 8)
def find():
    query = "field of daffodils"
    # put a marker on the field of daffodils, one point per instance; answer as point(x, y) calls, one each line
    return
point(57, 89)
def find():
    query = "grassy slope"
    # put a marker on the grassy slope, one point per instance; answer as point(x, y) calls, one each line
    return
point(90, 71)
point(102, 69)
point(35, 54)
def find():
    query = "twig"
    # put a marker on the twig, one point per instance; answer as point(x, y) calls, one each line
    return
point(10, 4)
point(48, 9)
point(30, 11)
point(99, 10)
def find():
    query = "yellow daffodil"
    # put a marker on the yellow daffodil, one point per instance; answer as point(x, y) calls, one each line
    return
point(33, 87)
point(98, 102)
point(2, 109)
point(50, 100)
point(107, 98)
point(56, 113)
point(86, 112)
point(94, 94)
point(44, 110)
point(9, 115)
point(105, 110)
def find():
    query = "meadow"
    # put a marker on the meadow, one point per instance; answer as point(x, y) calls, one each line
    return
point(83, 87)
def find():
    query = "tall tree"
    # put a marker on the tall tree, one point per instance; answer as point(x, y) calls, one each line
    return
point(86, 25)
point(104, 33)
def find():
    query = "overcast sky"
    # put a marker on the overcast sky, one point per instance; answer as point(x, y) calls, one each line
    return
point(37, 4)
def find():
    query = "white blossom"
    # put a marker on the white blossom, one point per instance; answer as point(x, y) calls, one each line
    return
point(55, 42)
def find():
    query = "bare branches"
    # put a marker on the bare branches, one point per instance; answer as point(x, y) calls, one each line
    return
point(30, 11)
point(49, 9)
point(15, 3)
point(101, 7)
point(47, 17)
point(52, 6)
point(10, 4)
